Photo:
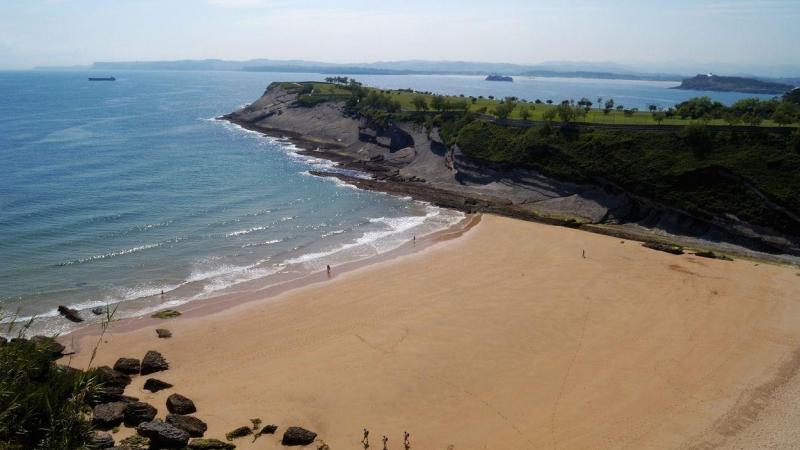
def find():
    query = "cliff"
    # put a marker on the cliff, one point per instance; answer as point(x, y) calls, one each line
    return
point(407, 159)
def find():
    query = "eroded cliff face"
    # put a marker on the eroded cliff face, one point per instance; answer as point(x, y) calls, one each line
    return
point(428, 169)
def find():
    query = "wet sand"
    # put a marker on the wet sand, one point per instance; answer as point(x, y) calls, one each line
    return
point(504, 338)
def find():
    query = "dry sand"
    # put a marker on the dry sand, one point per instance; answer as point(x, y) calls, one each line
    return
point(505, 338)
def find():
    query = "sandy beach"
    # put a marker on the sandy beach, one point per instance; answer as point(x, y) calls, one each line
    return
point(504, 338)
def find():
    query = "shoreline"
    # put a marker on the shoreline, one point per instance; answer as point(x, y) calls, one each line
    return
point(471, 203)
point(492, 341)
point(259, 290)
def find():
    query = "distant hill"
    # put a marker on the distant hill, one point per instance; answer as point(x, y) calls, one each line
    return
point(733, 84)
point(566, 69)
point(411, 67)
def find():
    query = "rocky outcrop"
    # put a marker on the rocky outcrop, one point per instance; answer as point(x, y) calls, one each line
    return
point(210, 444)
point(69, 313)
point(108, 415)
point(155, 385)
point(153, 362)
point(163, 333)
point(139, 412)
point(298, 436)
point(130, 366)
point(163, 435)
point(192, 425)
point(178, 404)
point(268, 429)
point(238, 433)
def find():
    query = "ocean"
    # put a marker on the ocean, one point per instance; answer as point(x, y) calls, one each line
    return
point(113, 192)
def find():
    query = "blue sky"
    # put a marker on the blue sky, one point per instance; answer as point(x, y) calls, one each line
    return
point(651, 34)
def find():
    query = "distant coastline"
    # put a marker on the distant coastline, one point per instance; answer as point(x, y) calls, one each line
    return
point(718, 83)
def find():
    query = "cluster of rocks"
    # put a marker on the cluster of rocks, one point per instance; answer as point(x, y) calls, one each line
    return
point(112, 408)
point(291, 437)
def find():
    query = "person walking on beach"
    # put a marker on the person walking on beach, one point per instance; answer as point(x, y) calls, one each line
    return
point(406, 441)
point(385, 440)
point(365, 439)
point(329, 269)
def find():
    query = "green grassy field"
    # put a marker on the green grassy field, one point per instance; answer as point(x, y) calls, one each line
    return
point(326, 92)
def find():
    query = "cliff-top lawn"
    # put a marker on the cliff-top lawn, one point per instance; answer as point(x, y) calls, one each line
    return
point(328, 91)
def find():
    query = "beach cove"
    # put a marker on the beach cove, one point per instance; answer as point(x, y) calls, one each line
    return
point(505, 337)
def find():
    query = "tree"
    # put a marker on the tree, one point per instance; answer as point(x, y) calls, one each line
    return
point(420, 102)
point(549, 102)
point(599, 102)
point(652, 108)
point(567, 113)
point(550, 115)
point(732, 118)
point(438, 102)
point(609, 104)
point(585, 103)
point(752, 119)
point(784, 114)
point(659, 117)
point(525, 112)
point(505, 108)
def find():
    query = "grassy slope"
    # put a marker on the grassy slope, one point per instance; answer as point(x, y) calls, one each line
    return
point(708, 180)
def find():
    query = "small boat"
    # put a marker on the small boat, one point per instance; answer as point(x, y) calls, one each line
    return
point(103, 79)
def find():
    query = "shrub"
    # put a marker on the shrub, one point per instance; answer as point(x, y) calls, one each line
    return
point(41, 404)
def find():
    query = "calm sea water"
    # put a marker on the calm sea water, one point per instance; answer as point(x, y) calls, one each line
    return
point(113, 192)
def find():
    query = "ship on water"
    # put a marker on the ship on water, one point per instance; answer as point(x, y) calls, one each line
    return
point(102, 79)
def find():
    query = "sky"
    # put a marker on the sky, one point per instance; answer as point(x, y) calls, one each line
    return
point(649, 34)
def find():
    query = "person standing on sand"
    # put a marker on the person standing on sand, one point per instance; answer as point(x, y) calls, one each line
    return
point(329, 274)
point(385, 440)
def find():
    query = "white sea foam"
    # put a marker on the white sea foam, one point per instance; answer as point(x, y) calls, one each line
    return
point(247, 231)
point(127, 251)
point(261, 244)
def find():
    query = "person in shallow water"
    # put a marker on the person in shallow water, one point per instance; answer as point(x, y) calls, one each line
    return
point(329, 269)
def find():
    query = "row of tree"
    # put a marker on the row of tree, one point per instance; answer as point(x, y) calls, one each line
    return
point(749, 111)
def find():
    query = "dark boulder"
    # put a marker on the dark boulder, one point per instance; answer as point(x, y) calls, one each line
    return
point(99, 310)
point(163, 333)
point(178, 404)
point(108, 415)
point(70, 313)
point(100, 440)
point(238, 433)
point(192, 425)
point(163, 435)
point(153, 362)
point(106, 394)
point(298, 436)
point(155, 385)
point(109, 377)
point(210, 444)
point(139, 412)
point(49, 345)
point(3, 341)
point(130, 366)
point(269, 429)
